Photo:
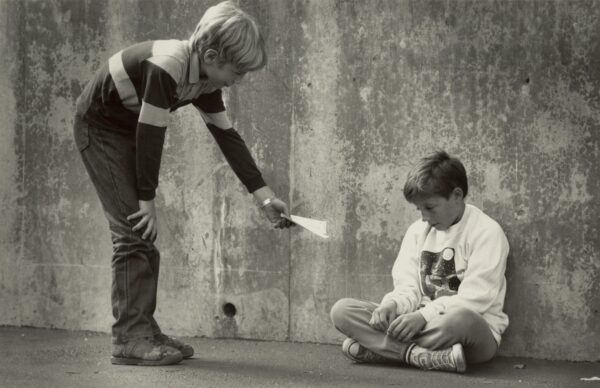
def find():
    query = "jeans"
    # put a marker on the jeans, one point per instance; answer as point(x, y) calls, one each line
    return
point(109, 158)
point(351, 317)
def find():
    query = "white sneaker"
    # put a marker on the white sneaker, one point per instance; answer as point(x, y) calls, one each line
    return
point(451, 359)
point(358, 353)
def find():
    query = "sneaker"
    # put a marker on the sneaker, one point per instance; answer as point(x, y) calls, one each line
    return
point(451, 359)
point(144, 351)
point(358, 353)
point(186, 350)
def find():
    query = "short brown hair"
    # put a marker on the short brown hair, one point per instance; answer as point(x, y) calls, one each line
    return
point(436, 174)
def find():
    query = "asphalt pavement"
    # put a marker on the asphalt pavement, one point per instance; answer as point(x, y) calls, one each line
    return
point(31, 357)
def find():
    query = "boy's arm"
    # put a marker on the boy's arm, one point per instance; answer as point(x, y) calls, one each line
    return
point(243, 165)
point(234, 149)
point(405, 273)
point(159, 91)
point(484, 276)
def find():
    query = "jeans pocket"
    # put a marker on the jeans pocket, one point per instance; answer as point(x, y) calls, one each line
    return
point(81, 132)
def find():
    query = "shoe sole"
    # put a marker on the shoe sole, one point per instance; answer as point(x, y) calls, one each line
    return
point(346, 349)
point(167, 360)
point(459, 358)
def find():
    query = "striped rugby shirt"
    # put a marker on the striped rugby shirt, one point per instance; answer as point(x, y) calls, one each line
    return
point(135, 92)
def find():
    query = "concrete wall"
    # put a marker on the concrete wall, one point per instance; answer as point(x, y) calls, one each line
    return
point(355, 91)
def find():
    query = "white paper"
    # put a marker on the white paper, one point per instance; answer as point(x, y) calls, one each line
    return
point(315, 226)
point(595, 378)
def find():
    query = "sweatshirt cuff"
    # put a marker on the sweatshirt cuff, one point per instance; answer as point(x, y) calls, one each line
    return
point(402, 307)
point(429, 312)
point(146, 195)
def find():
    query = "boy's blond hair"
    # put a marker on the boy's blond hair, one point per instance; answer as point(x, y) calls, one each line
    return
point(233, 34)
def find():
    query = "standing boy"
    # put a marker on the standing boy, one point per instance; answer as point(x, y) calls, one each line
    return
point(446, 307)
point(119, 130)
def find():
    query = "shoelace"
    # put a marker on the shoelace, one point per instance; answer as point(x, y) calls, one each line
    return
point(436, 360)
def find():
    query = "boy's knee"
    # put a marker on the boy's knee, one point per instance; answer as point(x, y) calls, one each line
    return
point(461, 319)
point(339, 311)
point(125, 239)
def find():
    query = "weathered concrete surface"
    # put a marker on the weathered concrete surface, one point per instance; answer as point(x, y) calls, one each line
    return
point(56, 358)
point(354, 92)
point(11, 206)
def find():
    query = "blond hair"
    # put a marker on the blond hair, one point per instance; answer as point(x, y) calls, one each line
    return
point(233, 34)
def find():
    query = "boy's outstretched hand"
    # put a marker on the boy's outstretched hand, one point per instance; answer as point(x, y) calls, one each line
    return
point(274, 210)
point(273, 207)
point(406, 326)
point(147, 213)
point(383, 316)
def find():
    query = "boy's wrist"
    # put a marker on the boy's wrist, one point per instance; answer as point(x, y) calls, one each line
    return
point(263, 195)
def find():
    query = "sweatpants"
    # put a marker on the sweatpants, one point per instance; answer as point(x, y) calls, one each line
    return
point(351, 317)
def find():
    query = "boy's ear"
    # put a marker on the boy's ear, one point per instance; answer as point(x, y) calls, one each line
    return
point(458, 192)
point(210, 56)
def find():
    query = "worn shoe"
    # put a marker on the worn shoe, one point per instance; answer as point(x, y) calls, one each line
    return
point(358, 353)
point(186, 350)
point(451, 359)
point(144, 351)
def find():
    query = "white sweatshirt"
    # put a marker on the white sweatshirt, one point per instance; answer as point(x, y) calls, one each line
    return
point(462, 266)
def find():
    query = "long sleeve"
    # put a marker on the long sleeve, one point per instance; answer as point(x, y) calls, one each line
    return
point(158, 95)
point(405, 274)
point(238, 156)
point(484, 283)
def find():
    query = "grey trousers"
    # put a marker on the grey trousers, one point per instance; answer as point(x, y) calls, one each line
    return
point(109, 158)
point(351, 317)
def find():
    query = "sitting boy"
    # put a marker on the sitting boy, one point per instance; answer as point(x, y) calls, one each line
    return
point(119, 129)
point(446, 307)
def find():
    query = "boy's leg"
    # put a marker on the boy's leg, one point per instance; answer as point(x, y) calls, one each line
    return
point(109, 159)
point(351, 317)
point(460, 326)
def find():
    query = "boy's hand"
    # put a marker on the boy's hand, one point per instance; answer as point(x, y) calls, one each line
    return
point(406, 326)
point(383, 315)
point(147, 213)
point(274, 210)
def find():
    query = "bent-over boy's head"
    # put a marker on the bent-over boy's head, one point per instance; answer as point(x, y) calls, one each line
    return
point(438, 185)
point(228, 43)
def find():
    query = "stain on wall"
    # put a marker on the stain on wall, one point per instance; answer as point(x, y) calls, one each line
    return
point(354, 93)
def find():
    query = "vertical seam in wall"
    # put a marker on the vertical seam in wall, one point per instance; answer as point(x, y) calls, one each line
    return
point(291, 165)
point(22, 62)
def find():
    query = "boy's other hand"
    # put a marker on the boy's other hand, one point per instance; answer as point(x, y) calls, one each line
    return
point(383, 315)
point(147, 213)
point(406, 326)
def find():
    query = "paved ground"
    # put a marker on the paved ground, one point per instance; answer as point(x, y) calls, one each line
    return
point(56, 358)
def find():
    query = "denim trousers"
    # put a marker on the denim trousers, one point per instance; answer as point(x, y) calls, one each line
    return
point(351, 317)
point(109, 158)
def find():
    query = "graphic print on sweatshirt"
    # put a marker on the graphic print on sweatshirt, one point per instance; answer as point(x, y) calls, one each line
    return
point(438, 273)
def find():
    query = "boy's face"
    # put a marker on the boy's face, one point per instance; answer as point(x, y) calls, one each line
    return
point(220, 75)
point(439, 212)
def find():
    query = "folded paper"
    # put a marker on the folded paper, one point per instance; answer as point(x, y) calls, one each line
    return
point(315, 226)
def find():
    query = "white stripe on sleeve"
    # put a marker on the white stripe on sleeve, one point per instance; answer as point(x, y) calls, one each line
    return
point(153, 115)
point(125, 87)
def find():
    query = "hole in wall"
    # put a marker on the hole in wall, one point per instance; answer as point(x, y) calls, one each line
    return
point(229, 310)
